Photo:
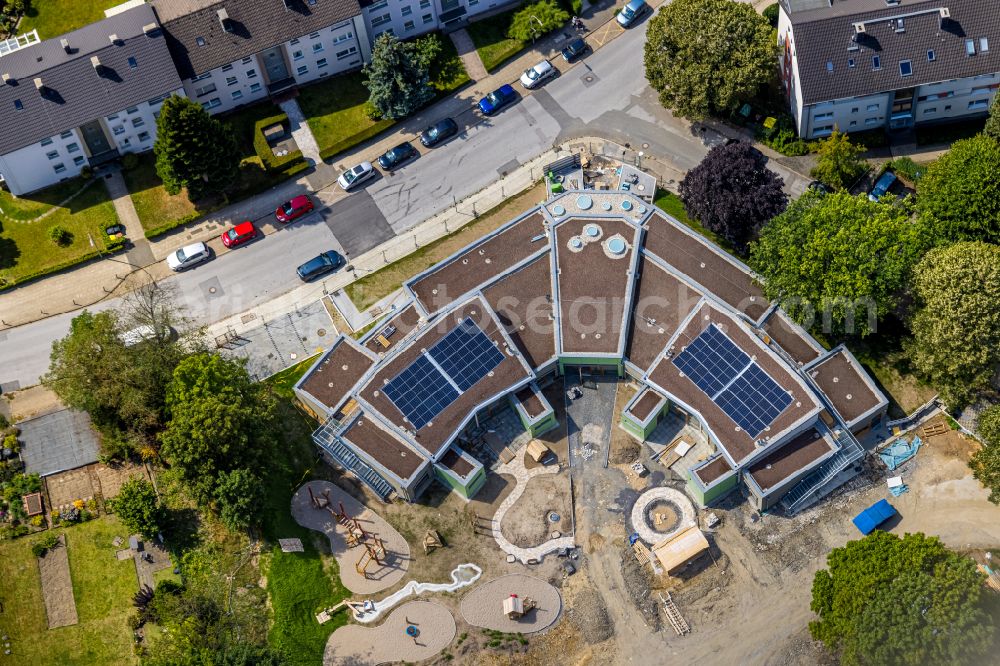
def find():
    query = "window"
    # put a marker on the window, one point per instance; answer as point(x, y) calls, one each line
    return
point(970, 47)
point(876, 62)
point(126, 142)
point(314, 35)
point(206, 75)
point(984, 44)
point(231, 81)
point(68, 133)
point(144, 136)
point(381, 20)
point(823, 116)
point(132, 63)
point(117, 130)
point(346, 53)
point(18, 105)
point(78, 160)
point(204, 90)
point(425, 4)
point(297, 55)
point(246, 61)
point(152, 102)
point(979, 104)
point(212, 103)
point(829, 65)
point(855, 109)
point(406, 11)
point(930, 110)
point(294, 41)
point(138, 122)
point(237, 94)
point(872, 107)
point(343, 38)
point(200, 41)
point(899, 25)
point(227, 68)
point(321, 63)
point(52, 154)
point(251, 73)
point(317, 47)
point(427, 18)
point(408, 26)
point(47, 142)
point(854, 123)
point(871, 121)
point(254, 87)
point(379, 4)
point(947, 107)
point(130, 110)
point(824, 130)
point(850, 63)
point(934, 96)
point(982, 90)
point(303, 70)
point(59, 168)
point(73, 147)
point(115, 116)
point(905, 68)
point(931, 56)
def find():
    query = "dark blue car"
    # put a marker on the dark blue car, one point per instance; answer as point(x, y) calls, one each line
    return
point(497, 99)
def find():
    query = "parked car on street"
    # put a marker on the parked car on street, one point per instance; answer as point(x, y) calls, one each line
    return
point(398, 156)
point(575, 49)
point(356, 175)
point(497, 99)
point(244, 232)
point(188, 256)
point(294, 209)
point(537, 75)
point(632, 12)
point(320, 265)
point(439, 132)
point(144, 333)
point(882, 185)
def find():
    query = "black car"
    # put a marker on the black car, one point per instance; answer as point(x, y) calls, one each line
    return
point(321, 265)
point(439, 132)
point(394, 157)
point(574, 49)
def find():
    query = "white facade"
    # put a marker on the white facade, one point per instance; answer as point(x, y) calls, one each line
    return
point(409, 18)
point(326, 52)
point(133, 130)
point(227, 87)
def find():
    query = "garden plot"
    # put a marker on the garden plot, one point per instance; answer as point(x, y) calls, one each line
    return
point(57, 586)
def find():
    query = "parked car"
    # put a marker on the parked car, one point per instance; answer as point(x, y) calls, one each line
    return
point(536, 76)
point(396, 157)
point(497, 99)
point(244, 232)
point(320, 265)
point(356, 175)
point(819, 186)
point(882, 185)
point(575, 49)
point(439, 132)
point(632, 12)
point(188, 256)
point(134, 336)
point(294, 209)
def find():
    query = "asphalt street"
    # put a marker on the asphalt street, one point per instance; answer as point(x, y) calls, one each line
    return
point(605, 95)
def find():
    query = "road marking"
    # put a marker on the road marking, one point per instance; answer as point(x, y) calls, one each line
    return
point(606, 33)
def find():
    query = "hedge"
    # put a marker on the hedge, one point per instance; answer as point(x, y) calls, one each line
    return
point(112, 248)
point(355, 139)
point(173, 224)
point(267, 157)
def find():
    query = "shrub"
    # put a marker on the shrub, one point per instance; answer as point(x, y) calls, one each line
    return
point(10, 442)
point(536, 20)
point(130, 160)
point(45, 543)
point(4, 423)
point(87, 172)
point(371, 112)
point(272, 162)
point(60, 236)
point(36, 521)
point(907, 169)
point(771, 14)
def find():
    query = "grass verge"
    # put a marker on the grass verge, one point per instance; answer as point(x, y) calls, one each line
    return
point(375, 286)
point(284, 381)
point(671, 204)
point(492, 43)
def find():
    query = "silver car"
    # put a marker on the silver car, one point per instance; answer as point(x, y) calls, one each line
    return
point(356, 175)
point(188, 256)
point(536, 75)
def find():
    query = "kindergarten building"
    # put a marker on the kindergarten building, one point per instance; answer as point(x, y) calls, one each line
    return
point(606, 283)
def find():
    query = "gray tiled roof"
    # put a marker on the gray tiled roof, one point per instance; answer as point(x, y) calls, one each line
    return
point(823, 36)
point(75, 93)
point(256, 25)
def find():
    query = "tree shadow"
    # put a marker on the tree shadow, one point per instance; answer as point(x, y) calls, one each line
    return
point(9, 252)
point(181, 531)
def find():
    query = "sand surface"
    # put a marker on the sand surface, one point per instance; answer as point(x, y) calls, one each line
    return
point(358, 646)
point(483, 605)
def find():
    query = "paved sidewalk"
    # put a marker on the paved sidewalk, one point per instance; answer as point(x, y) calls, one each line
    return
point(469, 55)
point(140, 254)
point(301, 132)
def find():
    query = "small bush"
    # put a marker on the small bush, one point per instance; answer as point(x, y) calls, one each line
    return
point(4, 423)
point(536, 20)
point(371, 112)
point(60, 236)
point(263, 149)
point(45, 543)
point(87, 172)
point(10, 442)
point(771, 14)
point(36, 521)
point(130, 160)
point(907, 169)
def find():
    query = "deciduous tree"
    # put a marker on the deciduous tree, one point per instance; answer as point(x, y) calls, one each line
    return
point(733, 193)
point(239, 494)
point(138, 507)
point(706, 57)
point(533, 21)
point(194, 150)
point(956, 321)
point(959, 196)
point(398, 76)
point(839, 162)
point(883, 600)
point(845, 257)
point(985, 462)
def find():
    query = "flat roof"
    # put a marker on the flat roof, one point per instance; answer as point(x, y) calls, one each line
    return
point(404, 321)
point(706, 265)
point(522, 300)
point(438, 432)
point(647, 401)
point(735, 441)
point(384, 447)
point(662, 302)
point(847, 386)
point(336, 373)
point(718, 467)
point(593, 283)
point(531, 402)
point(456, 462)
point(783, 463)
point(790, 337)
point(58, 442)
point(480, 263)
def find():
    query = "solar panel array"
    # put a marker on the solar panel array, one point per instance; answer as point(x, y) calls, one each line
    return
point(436, 379)
point(732, 380)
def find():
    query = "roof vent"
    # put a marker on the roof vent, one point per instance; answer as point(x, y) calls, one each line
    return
point(64, 43)
point(944, 13)
point(8, 80)
point(39, 84)
point(859, 28)
point(227, 25)
point(114, 39)
point(151, 29)
point(96, 62)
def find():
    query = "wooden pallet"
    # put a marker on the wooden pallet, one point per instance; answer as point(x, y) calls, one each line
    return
point(992, 577)
point(674, 616)
point(642, 553)
point(938, 428)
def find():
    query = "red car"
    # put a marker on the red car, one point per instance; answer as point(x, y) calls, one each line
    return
point(243, 232)
point(294, 209)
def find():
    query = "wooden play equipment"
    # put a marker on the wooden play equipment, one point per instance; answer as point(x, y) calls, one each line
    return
point(515, 608)
point(374, 552)
point(938, 428)
point(356, 534)
point(538, 451)
point(326, 614)
point(431, 541)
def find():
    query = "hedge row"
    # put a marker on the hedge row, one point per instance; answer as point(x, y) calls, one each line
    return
point(355, 139)
point(111, 248)
point(173, 224)
point(267, 157)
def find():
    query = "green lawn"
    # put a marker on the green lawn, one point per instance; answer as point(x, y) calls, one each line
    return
point(25, 248)
point(103, 588)
point(153, 204)
point(671, 204)
point(335, 110)
point(284, 381)
point(491, 40)
point(55, 17)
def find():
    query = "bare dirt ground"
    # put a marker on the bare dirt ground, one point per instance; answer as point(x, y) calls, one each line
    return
point(57, 586)
point(624, 449)
point(527, 523)
point(29, 403)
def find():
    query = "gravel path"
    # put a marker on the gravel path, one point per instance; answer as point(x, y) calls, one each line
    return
point(379, 576)
point(360, 646)
point(483, 606)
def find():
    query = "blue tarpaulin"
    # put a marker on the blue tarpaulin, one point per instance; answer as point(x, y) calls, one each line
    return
point(873, 516)
point(901, 451)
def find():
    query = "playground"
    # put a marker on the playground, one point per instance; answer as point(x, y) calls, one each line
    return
point(516, 603)
point(415, 631)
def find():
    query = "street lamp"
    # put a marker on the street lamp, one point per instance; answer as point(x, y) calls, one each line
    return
point(638, 162)
point(541, 28)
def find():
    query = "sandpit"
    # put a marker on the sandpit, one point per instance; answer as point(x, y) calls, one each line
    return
point(483, 606)
point(380, 576)
point(389, 642)
point(660, 513)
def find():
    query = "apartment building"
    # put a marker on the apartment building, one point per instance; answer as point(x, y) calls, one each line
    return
point(83, 98)
point(409, 18)
point(868, 64)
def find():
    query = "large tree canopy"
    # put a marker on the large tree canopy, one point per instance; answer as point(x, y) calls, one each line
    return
point(732, 192)
point(535, 20)
point(992, 128)
point(194, 150)
point(843, 256)
point(137, 506)
point(886, 601)
point(706, 57)
point(398, 76)
point(838, 162)
point(956, 323)
point(959, 196)
point(985, 462)
point(220, 421)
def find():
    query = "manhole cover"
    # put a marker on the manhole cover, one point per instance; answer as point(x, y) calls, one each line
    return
point(212, 290)
point(588, 79)
point(645, 145)
point(553, 517)
point(321, 332)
